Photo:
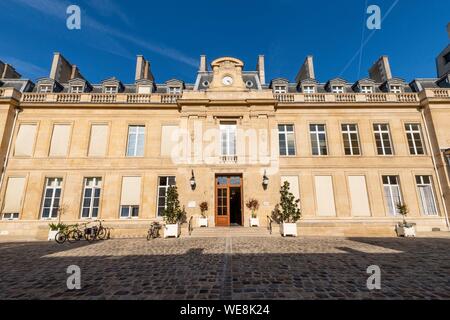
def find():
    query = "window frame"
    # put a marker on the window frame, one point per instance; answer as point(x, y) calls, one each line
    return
point(380, 132)
point(230, 144)
point(337, 89)
point(131, 210)
point(280, 89)
point(77, 91)
point(166, 186)
point(286, 133)
point(17, 214)
point(138, 135)
point(409, 132)
point(95, 187)
point(52, 198)
point(309, 89)
point(366, 89)
point(422, 183)
point(111, 89)
point(391, 185)
point(48, 88)
point(317, 139)
point(395, 88)
point(346, 133)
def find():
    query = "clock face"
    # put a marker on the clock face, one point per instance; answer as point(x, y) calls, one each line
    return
point(227, 80)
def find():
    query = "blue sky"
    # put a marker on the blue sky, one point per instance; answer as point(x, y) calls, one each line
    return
point(172, 35)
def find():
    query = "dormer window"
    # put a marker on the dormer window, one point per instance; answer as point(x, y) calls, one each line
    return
point(366, 89)
point(174, 90)
point(45, 88)
point(77, 89)
point(145, 89)
point(280, 89)
point(337, 89)
point(396, 89)
point(309, 89)
point(110, 89)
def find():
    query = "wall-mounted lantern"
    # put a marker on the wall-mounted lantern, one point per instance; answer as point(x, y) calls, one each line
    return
point(265, 181)
point(192, 181)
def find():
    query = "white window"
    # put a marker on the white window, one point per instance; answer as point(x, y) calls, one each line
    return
point(228, 138)
point(12, 203)
point(10, 216)
point(45, 88)
point(309, 89)
point(59, 145)
point(91, 198)
point(337, 89)
point(366, 89)
point(392, 194)
point(351, 141)
point(175, 90)
point(163, 185)
point(358, 196)
point(129, 212)
point(98, 142)
point(396, 89)
point(324, 196)
point(280, 89)
point(426, 195)
point(130, 197)
point(77, 89)
point(318, 139)
point(136, 140)
point(286, 139)
point(144, 89)
point(25, 140)
point(51, 199)
point(111, 89)
point(414, 136)
point(383, 139)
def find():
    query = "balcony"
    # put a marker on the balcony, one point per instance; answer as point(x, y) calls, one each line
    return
point(349, 97)
point(100, 98)
point(228, 159)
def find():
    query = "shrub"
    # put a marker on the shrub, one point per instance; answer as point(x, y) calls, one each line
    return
point(203, 208)
point(253, 205)
point(288, 209)
point(173, 212)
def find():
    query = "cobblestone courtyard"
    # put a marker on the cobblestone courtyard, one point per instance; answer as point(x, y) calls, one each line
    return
point(228, 268)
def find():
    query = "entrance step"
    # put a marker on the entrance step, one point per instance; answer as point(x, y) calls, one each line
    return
point(213, 232)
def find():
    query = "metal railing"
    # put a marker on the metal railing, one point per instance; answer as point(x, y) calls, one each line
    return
point(269, 224)
point(190, 225)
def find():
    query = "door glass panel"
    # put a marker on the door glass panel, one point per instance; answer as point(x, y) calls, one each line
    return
point(221, 180)
point(222, 202)
point(235, 180)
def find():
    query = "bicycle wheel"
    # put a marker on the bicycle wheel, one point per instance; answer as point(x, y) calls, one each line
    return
point(74, 236)
point(90, 235)
point(102, 233)
point(60, 237)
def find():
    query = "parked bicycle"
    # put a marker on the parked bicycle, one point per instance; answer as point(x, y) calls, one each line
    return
point(153, 231)
point(64, 234)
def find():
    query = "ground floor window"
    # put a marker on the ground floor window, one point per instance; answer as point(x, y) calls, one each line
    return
point(163, 184)
point(51, 199)
point(392, 194)
point(91, 197)
point(128, 212)
point(426, 195)
point(10, 216)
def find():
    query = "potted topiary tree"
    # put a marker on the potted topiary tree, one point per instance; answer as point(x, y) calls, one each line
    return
point(173, 214)
point(287, 212)
point(253, 205)
point(203, 219)
point(404, 229)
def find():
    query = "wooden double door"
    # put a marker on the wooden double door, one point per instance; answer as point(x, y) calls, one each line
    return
point(229, 200)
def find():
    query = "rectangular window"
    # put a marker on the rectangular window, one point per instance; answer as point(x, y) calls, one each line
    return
point(366, 89)
point(45, 88)
point(396, 89)
point(169, 139)
point(51, 199)
point(351, 141)
point(111, 89)
point(309, 89)
point(337, 89)
point(358, 196)
point(228, 138)
point(25, 140)
point(163, 184)
point(130, 197)
point(144, 89)
point(286, 139)
point(91, 198)
point(13, 198)
point(426, 195)
point(280, 89)
point(59, 145)
point(414, 136)
point(324, 196)
point(76, 89)
point(174, 90)
point(383, 139)
point(392, 194)
point(98, 143)
point(318, 139)
point(136, 141)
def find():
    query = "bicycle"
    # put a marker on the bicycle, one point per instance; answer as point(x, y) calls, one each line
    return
point(153, 231)
point(64, 234)
point(76, 233)
point(102, 232)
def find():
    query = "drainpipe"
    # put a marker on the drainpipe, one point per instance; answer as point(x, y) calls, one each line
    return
point(8, 151)
point(435, 167)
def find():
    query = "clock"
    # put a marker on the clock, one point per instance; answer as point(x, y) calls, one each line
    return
point(227, 80)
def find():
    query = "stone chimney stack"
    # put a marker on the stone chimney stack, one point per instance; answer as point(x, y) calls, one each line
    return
point(61, 70)
point(381, 70)
point(261, 69)
point(143, 70)
point(7, 71)
point(306, 70)
point(203, 66)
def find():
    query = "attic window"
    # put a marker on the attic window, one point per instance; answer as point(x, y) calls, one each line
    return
point(337, 89)
point(174, 90)
point(366, 89)
point(205, 83)
point(145, 89)
point(309, 89)
point(396, 89)
point(76, 89)
point(249, 84)
point(110, 89)
point(280, 89)
point(45, 88)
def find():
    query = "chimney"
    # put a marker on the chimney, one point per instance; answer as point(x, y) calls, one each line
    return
point(261, 69)
point(306, 71)
point(202, 67)
point(143, 70)
point(381, 70)
point(7, 71)
point(61, 70)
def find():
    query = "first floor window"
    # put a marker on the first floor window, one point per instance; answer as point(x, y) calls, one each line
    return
point(392, 194)
point(351, 141)
point(128, 212)
point(228, 138)
point(52, 198)
point(383, 139)
point(136, 141)
point(286, 139)
point(426, 195)
point(414, 136)
point(10, 216)
point(91, 197)
point(163, 184)
point(318, 139)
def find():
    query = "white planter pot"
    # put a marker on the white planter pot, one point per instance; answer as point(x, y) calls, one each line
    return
point(405, 231)
point(202, 222)
point(288, 229)
point(172, 230)
point(254, 222)
point(52, 234)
